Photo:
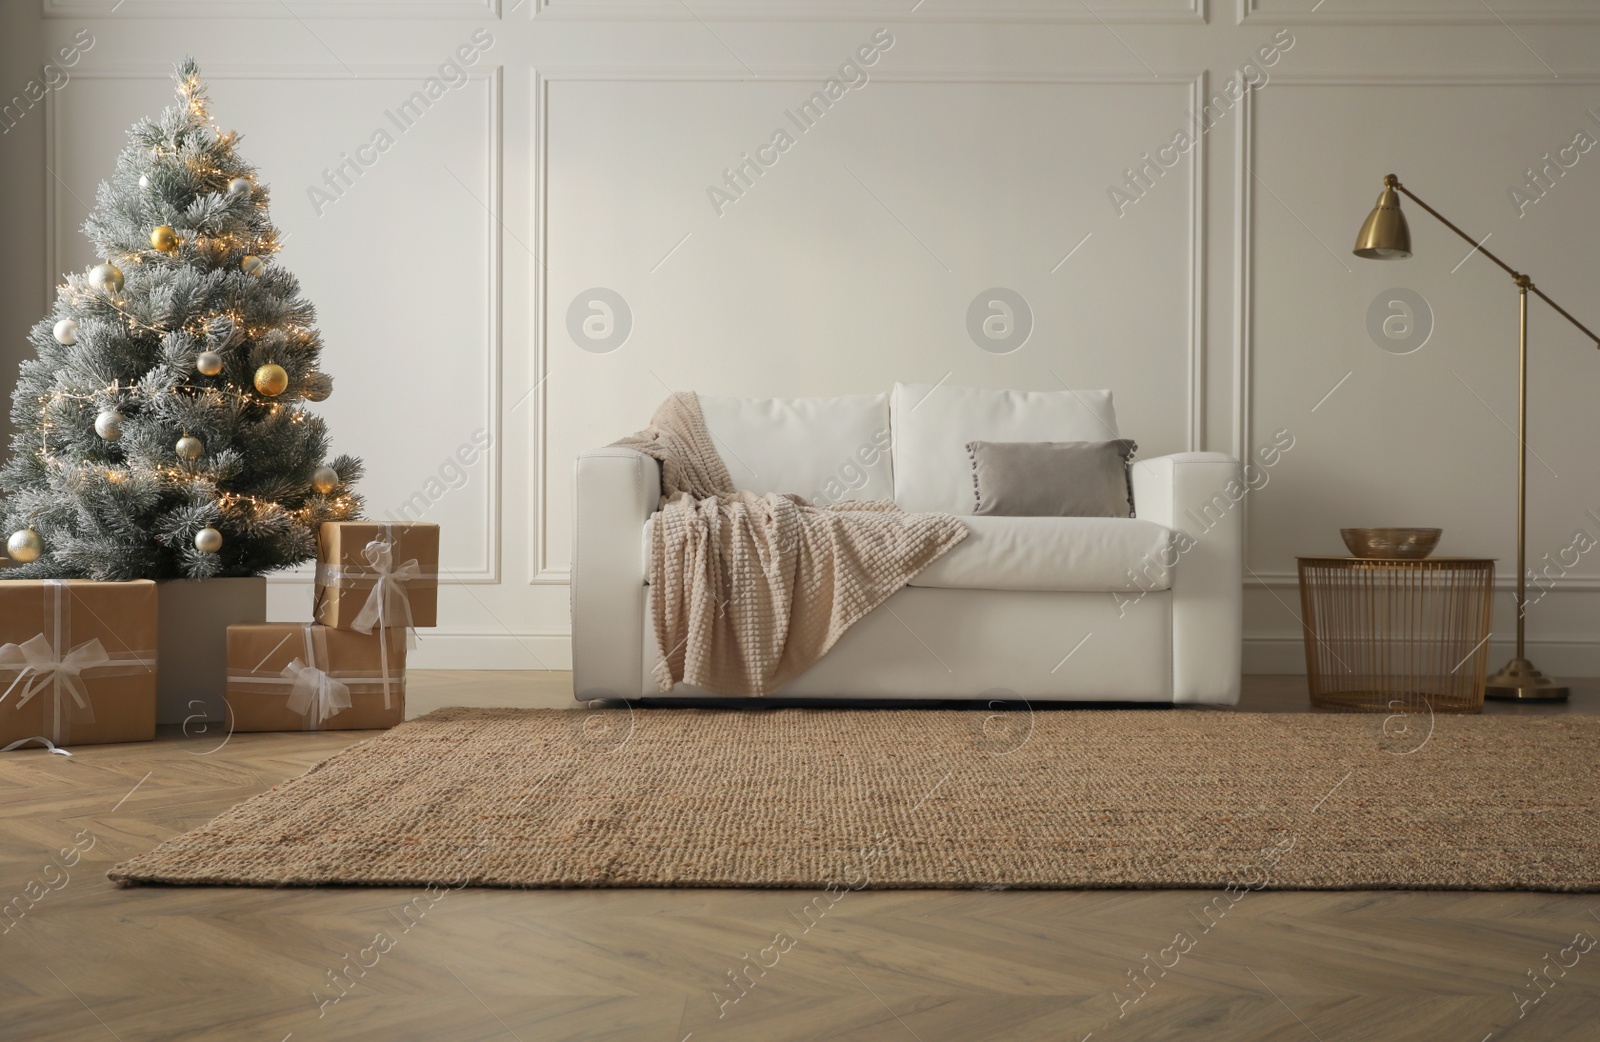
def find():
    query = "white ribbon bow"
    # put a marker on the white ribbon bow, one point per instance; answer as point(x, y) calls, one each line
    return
point(313, 687)
point(388, 597)
point(48, 744)
point(37, 662)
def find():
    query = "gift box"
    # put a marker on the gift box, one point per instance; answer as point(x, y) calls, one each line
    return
point(372, 574)
point(296, 676)
point(77, 662)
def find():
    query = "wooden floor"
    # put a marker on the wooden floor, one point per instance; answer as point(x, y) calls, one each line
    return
point(89, 961)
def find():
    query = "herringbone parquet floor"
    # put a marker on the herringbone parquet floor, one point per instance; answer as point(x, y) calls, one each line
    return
point(87, 961)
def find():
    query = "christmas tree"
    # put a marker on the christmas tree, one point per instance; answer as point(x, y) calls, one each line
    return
point(161, 432)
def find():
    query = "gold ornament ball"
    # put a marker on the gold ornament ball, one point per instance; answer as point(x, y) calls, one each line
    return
point(252, 265)
point(109, 425)
point(190, 448)
point(25, 546)
point(66, 331)
point(325, 479)
point(209, 363)
point(208, 540)
point(271, 380)
point(107, 276)
point(164, 238)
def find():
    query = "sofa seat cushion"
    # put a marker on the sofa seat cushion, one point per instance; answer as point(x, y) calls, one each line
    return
point(1060, 554)
point(1056, 554)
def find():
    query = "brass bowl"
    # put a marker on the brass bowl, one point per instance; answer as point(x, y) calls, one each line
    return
point(1391, 544)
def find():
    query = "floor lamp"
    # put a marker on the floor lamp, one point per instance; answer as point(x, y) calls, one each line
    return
point(1385, 236)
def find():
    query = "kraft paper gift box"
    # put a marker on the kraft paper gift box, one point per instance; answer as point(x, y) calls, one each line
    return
point(296, 676)
point(372, 574)
point(77, 662)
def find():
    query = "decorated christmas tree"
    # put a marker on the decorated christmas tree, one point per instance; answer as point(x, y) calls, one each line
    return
point(161, 432)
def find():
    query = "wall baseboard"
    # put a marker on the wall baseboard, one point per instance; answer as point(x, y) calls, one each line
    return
point(462, 649)
point(472, 649)
point(1557, 658)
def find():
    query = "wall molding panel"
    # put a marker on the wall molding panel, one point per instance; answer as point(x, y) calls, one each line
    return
point(541, 571)
point(298, 10)
point(487, 569)
point(1244, 278)
point(1420, 13)
point(544, 571)
point(1060, 12)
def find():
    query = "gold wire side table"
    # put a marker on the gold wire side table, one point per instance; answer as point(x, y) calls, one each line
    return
point(1386, 636)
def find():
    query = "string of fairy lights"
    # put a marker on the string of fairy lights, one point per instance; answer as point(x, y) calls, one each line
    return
point(105, 282)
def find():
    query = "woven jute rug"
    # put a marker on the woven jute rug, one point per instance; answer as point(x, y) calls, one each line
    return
point(998, 797)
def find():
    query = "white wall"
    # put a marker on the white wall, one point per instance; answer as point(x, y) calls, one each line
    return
point(1222, 307)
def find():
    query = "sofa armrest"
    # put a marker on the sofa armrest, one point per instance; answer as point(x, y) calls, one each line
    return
point(615, 491)
point(1200, 496)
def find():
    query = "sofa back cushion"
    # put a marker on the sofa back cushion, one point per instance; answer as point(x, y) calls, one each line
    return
point(825, 449)
point(933, 423)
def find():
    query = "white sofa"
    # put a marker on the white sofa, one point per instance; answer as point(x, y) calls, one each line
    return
point(1144, 609)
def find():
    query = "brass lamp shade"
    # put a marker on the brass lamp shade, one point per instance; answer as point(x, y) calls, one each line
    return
point(1385, 234)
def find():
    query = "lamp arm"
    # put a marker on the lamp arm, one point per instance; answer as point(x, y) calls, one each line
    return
point(1563, 313)
point(1521, 279)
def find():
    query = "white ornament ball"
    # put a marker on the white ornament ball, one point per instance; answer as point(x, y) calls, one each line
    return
point(208, 540)
point(66, 331)
point(239, 186)
point(252, 265)
point(209, 363)
point(24, 546)
point(325, 479)
point(108, 424)
point(190, 448)
point(144, 181)
point(316, 387)
point(107, 276)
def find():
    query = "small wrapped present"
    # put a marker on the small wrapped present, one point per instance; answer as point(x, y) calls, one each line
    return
point(78, 662)
point(296, 676)
point(373, 574)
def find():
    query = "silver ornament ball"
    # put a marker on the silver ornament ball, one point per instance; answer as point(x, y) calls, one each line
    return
point(209, 363)
point(107, 276)
point(208, 540)
point(190, 448)
point(144, 181)
point(108, 424)
point(239, 186)
point(325, 479)
point(24, 546)
point(66, 331)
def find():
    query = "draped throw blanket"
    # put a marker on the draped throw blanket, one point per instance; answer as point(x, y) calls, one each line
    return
point(748, 591)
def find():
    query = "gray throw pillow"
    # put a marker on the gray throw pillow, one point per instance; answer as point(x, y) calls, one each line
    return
point(1052, 478)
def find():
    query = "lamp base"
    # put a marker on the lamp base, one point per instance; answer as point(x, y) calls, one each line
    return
point(1520, 682)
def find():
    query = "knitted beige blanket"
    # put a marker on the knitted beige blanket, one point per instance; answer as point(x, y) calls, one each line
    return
point(748, 591)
